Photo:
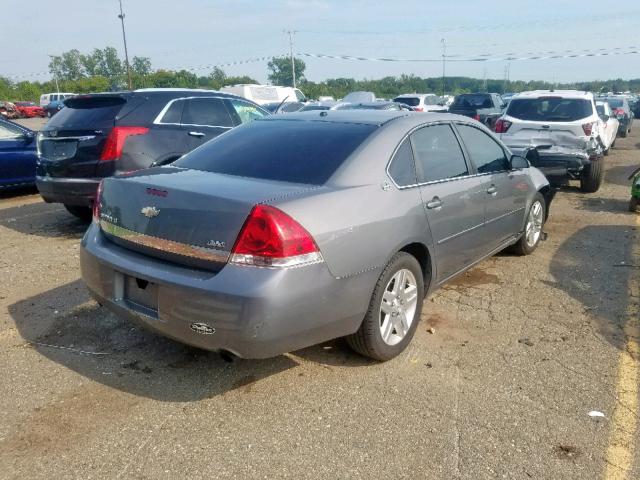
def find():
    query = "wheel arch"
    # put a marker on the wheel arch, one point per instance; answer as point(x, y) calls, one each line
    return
point(421, 253)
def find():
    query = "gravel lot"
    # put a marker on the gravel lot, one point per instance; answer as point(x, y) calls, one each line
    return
point(522, 350)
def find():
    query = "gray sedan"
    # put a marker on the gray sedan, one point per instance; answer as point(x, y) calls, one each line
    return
point(298, 229)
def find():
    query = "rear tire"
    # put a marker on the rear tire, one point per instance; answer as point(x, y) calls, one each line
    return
point(592, 175)
point(394, 310)
point(83, 213)
point(624, 133)
point(532, 235)
point(633, 205)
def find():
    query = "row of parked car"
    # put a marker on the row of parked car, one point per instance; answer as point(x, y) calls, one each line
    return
point(226, 227)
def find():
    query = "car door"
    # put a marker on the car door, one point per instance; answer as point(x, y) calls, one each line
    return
point(205, 118)
point(17, 156)
point(452, 197)
point(505, 190)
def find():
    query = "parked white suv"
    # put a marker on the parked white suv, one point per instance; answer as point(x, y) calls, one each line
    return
point(564, 128)
point(609, 125)
point(422, 102)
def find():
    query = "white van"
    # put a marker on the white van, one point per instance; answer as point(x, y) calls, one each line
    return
point(46, 98)
point(262, 94)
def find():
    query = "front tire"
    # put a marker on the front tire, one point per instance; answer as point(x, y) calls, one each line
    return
point(592, 176)
point(536, 216)
point(83, 213)
point(394, 310)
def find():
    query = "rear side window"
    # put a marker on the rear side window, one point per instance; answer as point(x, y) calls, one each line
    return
point(550, 109)
point(287, 151)
point(411, 101)
point(247, 112)
point(210, 112)
point(88, 112)
point(402, 168)
point(437, 153)
point(485, 152)
point(174, 112)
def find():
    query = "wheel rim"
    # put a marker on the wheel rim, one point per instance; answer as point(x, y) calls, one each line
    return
point(398, 306)
point(534, 224)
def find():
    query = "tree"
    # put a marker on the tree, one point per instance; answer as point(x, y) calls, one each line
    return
point(141, 65)
point(280, 71)
point(67, 66)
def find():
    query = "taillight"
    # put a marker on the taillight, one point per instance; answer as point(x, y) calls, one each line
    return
point(96, 203)
point(587, 128)
point(418, 109)
point(502, 125)
point(115, 141)
point(619, 112)
point(271, 238)
point(476, 117)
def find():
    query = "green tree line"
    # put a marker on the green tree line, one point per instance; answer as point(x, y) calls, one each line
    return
point(103, 70)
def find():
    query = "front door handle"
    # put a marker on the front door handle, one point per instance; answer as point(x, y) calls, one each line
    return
point(492, 190)
point(434, 203)
point(196, 134)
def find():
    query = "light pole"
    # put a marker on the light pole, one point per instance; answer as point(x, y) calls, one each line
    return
point(126, 53)
point(444, 52)
point(293, 61)
point(55, 73)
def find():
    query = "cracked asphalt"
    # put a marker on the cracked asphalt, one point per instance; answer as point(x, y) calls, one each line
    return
point(506, 364)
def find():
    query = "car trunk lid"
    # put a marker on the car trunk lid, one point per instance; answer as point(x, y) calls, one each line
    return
point(565, 134)
point(185, 216)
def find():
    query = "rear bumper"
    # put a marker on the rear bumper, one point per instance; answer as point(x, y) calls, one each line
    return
point(253, 312)
point(559, 164)
point(70, 191)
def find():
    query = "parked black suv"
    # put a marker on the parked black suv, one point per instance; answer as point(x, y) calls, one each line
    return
point(100, 135)
point(484, 107)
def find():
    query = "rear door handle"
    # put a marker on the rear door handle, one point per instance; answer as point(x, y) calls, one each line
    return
point(492, 190)
point(196, 134)
point(434, 203)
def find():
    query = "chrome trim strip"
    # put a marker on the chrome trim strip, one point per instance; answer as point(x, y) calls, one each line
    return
point(451, 237)
point(504, 215)
point(164, 245)
point(67, 180)
point(81, 138)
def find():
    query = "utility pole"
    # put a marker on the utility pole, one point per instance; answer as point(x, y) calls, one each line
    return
point(293, 61)
point(126, 53)
point(55, 74)
point(444, 53)
point(484, 80)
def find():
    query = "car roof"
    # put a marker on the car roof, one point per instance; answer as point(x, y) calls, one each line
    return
point(555, 93)
point(368, 117)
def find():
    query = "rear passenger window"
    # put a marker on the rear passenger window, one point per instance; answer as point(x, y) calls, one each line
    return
point(210, 112)
point(174, 112)
point(402, 168)
point(247, 112)
point(437, 153)
point(485, 152)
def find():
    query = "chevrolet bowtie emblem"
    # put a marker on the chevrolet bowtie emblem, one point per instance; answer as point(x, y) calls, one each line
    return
point(150, 212)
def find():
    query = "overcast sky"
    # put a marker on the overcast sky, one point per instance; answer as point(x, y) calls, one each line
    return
point(191, 33)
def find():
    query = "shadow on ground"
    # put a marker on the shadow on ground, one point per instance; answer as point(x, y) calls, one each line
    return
point(124, 356)
point(605, 205)
point(594, 267)
point(619, 175)
point(17, 192)
point(42, 219)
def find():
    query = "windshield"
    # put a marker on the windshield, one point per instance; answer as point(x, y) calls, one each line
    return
point(473, 100)
point(25, 104)
point(359, 97)
point(411, 101)
point(550, 109)
point(288, 151)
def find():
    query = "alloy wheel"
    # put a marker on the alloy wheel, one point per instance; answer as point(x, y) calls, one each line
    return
point(398, 307)
point(534, 224)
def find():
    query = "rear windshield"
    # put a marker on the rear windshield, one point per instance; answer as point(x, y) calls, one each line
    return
point(288, 151)
point(88, 112)
point(614, 102)
point(473, 101)
point(550, 109)
point(411, 101)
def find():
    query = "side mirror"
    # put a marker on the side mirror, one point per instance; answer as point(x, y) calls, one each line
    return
point(518, 163)
point(29, 137)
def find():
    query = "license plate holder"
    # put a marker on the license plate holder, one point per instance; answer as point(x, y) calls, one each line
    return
point(141, 295)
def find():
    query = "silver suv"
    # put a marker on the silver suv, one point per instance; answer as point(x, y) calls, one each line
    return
point(563, 131)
